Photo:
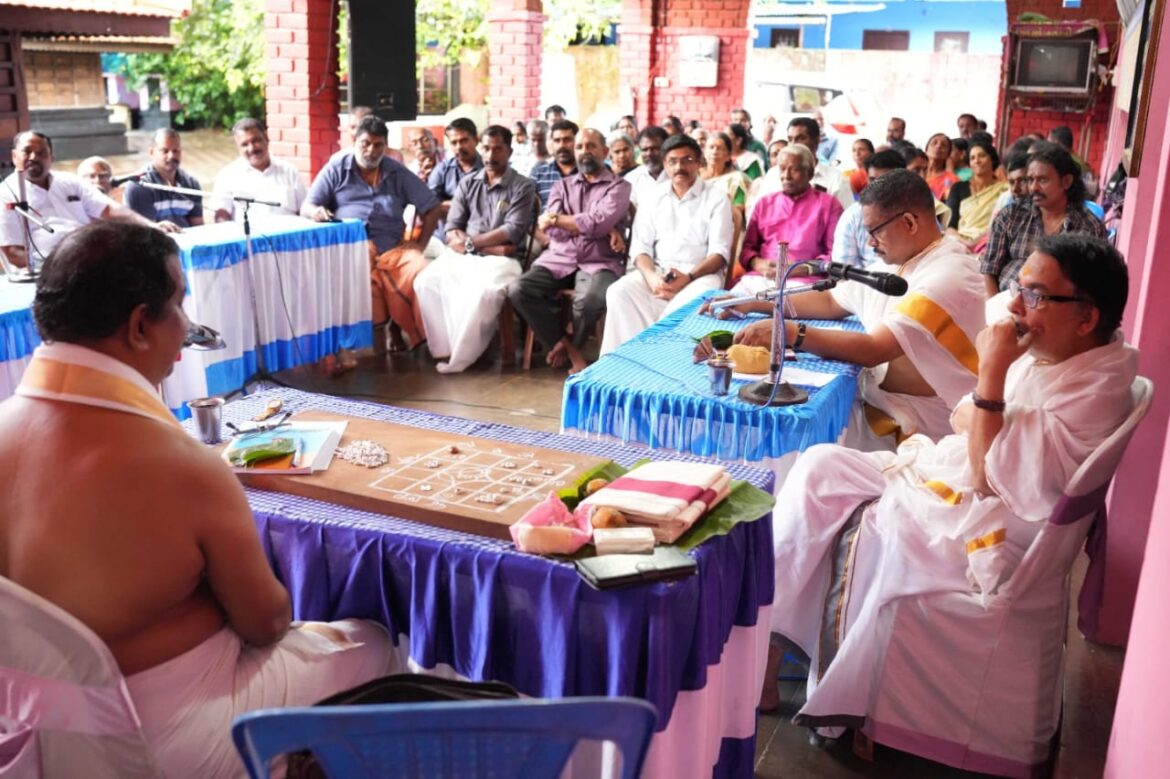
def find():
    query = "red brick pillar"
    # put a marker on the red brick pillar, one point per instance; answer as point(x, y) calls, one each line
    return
point(649, 53)
point(301, 85)
point(515, 45)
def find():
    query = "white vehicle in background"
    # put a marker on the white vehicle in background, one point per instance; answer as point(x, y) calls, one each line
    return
point(845, 111)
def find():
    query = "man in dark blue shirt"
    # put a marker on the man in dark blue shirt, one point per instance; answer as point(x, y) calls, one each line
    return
point(462, 160)
point(366, 184)
point(562, 164)
point(166, 152)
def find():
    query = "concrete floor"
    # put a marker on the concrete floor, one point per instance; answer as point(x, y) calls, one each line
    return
point(532, 399)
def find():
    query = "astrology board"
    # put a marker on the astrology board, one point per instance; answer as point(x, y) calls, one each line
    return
point(482, 487)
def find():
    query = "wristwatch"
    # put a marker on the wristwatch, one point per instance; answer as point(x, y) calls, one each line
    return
point(801, 329)
point(469, 245)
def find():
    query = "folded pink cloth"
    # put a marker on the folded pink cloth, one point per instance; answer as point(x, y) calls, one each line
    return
point(550, 528)
point(668, 497)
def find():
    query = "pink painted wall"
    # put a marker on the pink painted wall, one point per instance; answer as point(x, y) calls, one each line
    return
point(1144, 233)
point(1138, 746)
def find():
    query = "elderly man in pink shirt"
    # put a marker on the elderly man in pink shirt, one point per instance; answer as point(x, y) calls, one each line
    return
point(799, 214)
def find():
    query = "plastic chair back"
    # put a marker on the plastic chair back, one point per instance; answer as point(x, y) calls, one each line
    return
point(523, 738)
point(59, 681)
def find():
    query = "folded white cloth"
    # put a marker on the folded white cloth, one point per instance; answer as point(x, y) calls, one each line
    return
point(668, 497)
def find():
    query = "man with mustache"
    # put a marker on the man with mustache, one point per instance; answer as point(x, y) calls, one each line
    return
point(256, 174)
point(681, 243)
point(365, 184)
point(60, 200)
point(171, 208)
point(447, 175)
point(918, 349)
point(1054, 382)
point(583, 221)
point(646, 178)
point(563, 163)
point(1056, 205)
point(461, 292)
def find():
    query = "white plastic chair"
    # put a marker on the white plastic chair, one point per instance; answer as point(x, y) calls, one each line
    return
point(980, 687)
point(65, 710)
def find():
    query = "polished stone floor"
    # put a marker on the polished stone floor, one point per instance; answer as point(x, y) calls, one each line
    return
point(511, 395)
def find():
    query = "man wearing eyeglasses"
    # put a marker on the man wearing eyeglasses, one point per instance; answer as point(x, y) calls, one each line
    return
point(681, 244)
point(918, 350)
point(1056, 205)
point(958, 515)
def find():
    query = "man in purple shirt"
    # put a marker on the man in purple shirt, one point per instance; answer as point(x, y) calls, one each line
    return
point(585, 252)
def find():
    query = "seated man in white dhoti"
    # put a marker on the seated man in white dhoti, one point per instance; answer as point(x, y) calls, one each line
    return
point(681, 245)
point(918, 350)
point(119, 517)
point(586, 253)
point(461, 292)
point(958, 515)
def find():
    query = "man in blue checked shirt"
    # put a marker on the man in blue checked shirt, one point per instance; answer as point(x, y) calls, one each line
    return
point(166, 153)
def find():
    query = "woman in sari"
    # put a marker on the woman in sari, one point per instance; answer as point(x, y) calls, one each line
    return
point(972, 203)
point(747, 161)
point(720, 172)
point(938, 174)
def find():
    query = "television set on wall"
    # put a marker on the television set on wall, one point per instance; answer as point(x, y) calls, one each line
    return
point(1054, 65)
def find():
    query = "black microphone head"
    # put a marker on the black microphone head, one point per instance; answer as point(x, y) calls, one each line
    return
point(889, 284)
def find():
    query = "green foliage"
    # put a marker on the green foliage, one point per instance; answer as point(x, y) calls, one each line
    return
point(448, 32)
point(217, 69)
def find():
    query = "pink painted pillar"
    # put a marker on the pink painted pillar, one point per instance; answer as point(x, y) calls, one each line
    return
point(515, 54)
point(637, 50)
point(1144, 234)
point(1141, 499)
point(301, 84)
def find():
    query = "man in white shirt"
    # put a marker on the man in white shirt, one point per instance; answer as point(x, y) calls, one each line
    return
point(60, 200)
point(258, 175)
point(646, 178)
point(681, 244)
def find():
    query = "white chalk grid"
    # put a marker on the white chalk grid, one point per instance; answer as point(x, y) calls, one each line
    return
point(462, 474)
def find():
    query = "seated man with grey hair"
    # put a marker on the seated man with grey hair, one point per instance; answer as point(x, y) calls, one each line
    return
point(799, 215)
point(97, 171)
point(461, 292)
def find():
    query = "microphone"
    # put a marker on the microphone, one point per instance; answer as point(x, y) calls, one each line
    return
point(885, 283)
point(118, 181)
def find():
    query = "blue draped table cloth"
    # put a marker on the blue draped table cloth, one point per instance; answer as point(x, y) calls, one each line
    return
point(474, 607)
point(648, 391)
point(311, 280)
point(311, 284)
point(18, 333)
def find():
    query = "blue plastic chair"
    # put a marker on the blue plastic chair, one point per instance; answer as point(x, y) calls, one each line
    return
point(521, 738)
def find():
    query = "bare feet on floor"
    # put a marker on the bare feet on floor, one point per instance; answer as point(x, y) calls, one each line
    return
point(557, 356)
point(577, 362)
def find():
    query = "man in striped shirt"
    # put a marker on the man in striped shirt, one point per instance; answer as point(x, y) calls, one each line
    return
point(166, 153)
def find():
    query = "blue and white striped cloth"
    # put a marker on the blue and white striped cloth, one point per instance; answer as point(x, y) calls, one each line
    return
point(649, 391)
point(311, 280)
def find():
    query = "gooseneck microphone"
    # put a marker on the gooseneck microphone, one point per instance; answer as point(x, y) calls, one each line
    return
point(885, 283)
point(118, 181)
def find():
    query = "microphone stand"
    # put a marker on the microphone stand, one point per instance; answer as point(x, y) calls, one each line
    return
point(247, 203)
point(27, 274)
point(771, 391)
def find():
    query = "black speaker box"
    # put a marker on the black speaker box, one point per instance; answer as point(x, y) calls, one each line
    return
point(382, 58)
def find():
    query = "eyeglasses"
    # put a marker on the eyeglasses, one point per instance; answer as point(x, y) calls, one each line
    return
point(674, 162)
point(873, 232)
point(1033, 299)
